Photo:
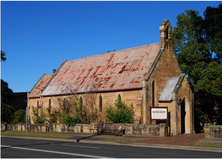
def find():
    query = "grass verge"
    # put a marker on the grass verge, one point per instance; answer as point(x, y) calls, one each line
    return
point(203, 144)
point(47, 135)
point(121, 140)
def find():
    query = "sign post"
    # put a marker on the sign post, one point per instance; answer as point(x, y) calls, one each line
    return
point(159, 113)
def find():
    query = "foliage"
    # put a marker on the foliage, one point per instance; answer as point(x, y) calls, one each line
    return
point(71, 120)
point(121, 113)
point(6, 92)
point(73, 111)
point(19, 116)
point(3, 58)
point(36, 118)
point(197, 43)
point(53, 116)
point(7, 112)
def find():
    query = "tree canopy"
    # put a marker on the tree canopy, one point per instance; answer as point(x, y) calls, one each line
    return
point(198, 45)
point(7, 111)
point(3, 58)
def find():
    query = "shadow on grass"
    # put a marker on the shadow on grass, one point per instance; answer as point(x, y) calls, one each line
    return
point(85, 137)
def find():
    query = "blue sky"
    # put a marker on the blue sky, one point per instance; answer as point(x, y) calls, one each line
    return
point(37, 36)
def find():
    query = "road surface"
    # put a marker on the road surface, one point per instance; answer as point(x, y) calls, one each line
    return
point(32, 148)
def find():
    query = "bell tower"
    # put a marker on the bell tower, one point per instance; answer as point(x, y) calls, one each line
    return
point(165, 34)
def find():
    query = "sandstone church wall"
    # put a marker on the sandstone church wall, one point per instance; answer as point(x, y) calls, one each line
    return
point(130, 97)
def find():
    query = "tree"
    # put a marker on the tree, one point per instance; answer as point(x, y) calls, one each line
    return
point(36, 118)
point(52, 116)
point(6, 92)
point(19, 116)
point(7, 111)
point(3, 58)
point(121, 113)
point(75, 109)
point(198, 45)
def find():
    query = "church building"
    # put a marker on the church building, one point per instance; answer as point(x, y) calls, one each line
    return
point(147, 77)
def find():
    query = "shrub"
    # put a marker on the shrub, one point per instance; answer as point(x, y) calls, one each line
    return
point(36, 118)
point(74, 111)
point(19, 116)
point(121, 113)
point(71, 120)
point(52, 116)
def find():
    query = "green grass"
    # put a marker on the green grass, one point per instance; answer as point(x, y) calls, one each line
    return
point(47, 135)
point(121, 140)
point(202, 144)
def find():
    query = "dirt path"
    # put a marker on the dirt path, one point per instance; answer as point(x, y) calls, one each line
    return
point(175, 140)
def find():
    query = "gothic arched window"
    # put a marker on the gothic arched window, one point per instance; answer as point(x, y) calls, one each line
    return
point(100, 104)
point(153, 94)
point(119, 97)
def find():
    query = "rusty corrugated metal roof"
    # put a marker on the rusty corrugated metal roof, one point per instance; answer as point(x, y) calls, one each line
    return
point(39, 86)
point(118, 70)
point(166, 94)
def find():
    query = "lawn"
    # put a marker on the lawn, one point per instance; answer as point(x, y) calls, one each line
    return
point(203, 144)
point(33, 134)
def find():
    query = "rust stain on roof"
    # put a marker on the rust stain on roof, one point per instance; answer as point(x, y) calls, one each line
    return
point(118, 70)
point(166, 94)
point(39, 86)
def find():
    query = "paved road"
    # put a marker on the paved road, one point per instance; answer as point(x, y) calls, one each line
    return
point(31, 148)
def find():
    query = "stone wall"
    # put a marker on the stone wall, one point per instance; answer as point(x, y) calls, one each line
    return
point(130, 129)
point(212, 131)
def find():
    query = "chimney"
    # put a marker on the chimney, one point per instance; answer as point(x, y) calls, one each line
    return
point(165, 34)
point(54, 70)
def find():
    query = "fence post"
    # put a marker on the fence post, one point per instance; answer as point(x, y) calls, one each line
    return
point(163, 129)
point(207, 129)
point(26, 119)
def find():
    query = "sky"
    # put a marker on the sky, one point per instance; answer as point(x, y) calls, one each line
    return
point(37, 36)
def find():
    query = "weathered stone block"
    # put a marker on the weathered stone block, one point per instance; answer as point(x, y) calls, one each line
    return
point(162, 129)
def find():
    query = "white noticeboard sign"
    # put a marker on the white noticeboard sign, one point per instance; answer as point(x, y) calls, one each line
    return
point(159, 113)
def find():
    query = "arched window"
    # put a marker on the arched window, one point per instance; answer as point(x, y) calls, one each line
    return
point(80, 100)
point(183, 116)
point(100, 104)
point(153, 94)
point(50, 106)
point(50, 102)
point(38, 109)
point(81, 106)
point(119, 97)
point(37, 104)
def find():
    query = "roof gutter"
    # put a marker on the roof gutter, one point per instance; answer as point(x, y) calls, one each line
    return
point(97, 91)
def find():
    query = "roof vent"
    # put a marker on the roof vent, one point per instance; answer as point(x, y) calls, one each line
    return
point(54, 70)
